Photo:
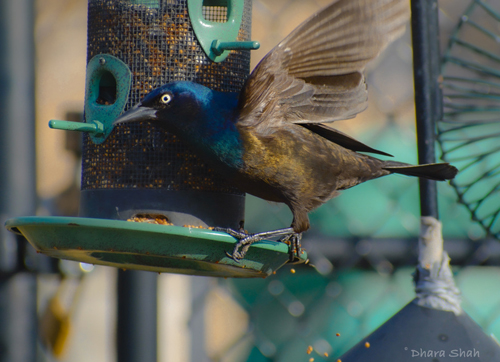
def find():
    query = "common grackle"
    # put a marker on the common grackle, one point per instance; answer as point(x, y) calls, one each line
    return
point(269, 139)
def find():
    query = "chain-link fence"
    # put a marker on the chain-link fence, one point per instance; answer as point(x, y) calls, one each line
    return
point(362, 243)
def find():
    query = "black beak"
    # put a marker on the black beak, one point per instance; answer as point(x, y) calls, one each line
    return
point(136, 114)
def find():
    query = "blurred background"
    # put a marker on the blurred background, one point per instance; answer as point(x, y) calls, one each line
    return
point(362, 243)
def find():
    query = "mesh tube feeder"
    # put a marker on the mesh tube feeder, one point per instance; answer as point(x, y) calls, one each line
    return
point(133, 172)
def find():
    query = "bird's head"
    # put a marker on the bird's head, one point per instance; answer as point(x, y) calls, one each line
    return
point(174, 106)
point(201, 117)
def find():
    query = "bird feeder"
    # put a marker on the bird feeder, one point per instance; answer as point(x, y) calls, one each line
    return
point(135, 172)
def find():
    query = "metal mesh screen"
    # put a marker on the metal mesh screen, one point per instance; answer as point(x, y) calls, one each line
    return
point(215, 13)
point(158, 44)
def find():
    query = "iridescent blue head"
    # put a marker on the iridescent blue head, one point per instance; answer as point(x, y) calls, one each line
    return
point(170, 106)
point(198, 115)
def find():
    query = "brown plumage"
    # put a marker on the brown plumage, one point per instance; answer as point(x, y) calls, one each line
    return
point(279, 167)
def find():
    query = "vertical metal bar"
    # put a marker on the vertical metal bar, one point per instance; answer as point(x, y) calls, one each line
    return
point(17, 178)
point(428, 102)
point(200, 287)
point(17, 99)
point(18, 319)
point(137, 316)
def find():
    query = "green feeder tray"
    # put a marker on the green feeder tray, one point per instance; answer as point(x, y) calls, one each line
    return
point(151, 247)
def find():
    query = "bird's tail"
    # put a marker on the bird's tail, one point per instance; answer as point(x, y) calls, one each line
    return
point(432, 171)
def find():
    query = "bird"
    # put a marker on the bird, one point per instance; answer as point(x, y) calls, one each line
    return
point(270, 139)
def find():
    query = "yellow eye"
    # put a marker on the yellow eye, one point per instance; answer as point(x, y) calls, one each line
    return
point(166, 98)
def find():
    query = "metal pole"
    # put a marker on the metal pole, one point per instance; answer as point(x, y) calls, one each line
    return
point(17, 178)
point(18, 319)
point(428, 99)
point(137, 316)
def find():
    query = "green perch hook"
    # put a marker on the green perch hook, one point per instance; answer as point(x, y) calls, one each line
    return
point(94, 127)
point(218, 47)
point(108, 78)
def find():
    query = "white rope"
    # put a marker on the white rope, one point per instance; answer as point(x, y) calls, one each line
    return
point(434, 284)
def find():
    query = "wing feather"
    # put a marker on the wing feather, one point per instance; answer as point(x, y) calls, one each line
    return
point(315, 75)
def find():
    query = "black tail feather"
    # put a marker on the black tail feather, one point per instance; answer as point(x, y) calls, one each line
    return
point(432, 171)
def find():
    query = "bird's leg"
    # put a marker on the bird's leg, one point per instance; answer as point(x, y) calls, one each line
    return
point(245, 239)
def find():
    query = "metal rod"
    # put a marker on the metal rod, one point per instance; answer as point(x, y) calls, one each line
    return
point(18, 323)
point(137, 316)
point(428, 99)
point(18, 318)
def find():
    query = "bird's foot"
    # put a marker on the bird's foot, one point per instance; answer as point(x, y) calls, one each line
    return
point(245, 240)
point(294, 240)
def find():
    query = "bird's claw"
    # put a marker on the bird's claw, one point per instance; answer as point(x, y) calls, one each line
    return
point(245, 240)
point(294, 240)
point(235, 255)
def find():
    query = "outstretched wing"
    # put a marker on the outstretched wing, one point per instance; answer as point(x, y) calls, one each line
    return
point(316, 73)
